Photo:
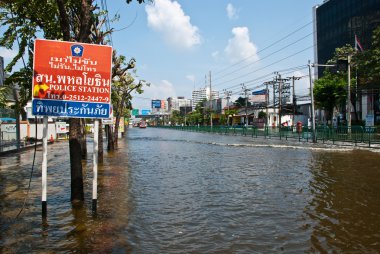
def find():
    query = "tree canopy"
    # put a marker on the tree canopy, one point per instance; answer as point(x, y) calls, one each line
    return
point(330, 92)
point(369, 61)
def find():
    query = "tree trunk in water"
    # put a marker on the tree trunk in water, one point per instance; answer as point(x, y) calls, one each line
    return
point(100, 143)
point(110, 144)
point(118, 111)
point(83, 138)
point(116, 131)
point(77, 193)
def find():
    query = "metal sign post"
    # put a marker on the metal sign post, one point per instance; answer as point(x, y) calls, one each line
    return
point(44, 166)
point(95, 168)
point(71, 80)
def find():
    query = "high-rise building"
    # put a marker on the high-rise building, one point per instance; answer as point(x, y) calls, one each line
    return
point(336, 22)
point(178, 103)
point(203, 94)
point(159, 106)
point(341, 22)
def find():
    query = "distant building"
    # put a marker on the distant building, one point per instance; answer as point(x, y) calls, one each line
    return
point(178, 103)
point(202, 94)
point(159, 106)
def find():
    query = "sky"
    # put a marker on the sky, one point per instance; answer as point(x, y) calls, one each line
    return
point(179, 44)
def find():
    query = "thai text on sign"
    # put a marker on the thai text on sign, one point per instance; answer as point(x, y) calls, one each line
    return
point(71, 79)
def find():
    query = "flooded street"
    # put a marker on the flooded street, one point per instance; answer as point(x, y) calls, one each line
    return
point(166, 191)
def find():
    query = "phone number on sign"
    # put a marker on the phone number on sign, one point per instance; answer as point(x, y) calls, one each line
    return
point(72, 97)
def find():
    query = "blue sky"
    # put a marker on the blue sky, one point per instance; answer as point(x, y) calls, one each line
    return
point(177, 43)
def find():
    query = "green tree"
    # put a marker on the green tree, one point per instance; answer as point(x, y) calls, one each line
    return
point(123, 84)
point(69, 20)
point(330, 92)
point(176, 117)
point(228, 114)
point(4, 91)
point(240, 102)
point(195, 117)
point(262, 114)
point(369, 62)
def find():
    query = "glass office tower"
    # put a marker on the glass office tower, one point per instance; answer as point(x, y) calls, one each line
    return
point(338, 21)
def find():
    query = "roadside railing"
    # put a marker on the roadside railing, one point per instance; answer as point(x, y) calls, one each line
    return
point(355, 135)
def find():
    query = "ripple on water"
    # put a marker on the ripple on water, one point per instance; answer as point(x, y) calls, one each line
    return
point(168, 191)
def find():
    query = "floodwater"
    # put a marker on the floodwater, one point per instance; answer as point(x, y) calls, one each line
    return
point(167, 191)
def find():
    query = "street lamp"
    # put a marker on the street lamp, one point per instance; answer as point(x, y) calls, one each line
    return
point(245, 90)
point(228, 96)
point(312, 97)
point(348, 105)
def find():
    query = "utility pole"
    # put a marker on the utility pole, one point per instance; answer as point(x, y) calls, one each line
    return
point(245, 90)
point(279, 99)
point(312, 104)
point(280, 82)
point(349, 94)
point(274, 100)
point(266, 103)
point(294, 96)
point(312, 96)
point(210, 101)
point(267, 99)
point(228, 96)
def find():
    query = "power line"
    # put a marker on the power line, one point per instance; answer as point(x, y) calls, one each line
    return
point(259, 82)
point(108, 27)
point(272, 44)
point(250, 64)
point(287, 57)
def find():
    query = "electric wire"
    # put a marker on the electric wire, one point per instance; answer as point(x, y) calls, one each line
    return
point(292, 69)
point(108, 27)
point(31, 172)
point(272, 44)
point(250, 64)
point(287, 57)
point(258, 82)
point(35, 145)
point(129, 25)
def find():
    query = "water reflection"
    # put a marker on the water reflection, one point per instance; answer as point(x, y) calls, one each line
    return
point(346, 202)
point(168, 191)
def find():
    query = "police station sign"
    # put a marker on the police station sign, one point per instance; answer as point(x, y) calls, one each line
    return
point(71, 79)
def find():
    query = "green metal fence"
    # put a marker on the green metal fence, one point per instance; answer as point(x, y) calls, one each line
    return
point(356, 135)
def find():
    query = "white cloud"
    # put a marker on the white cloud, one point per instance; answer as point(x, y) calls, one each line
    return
point(168, 18)
point(232, 12)
point(162, 90)
point(240, 47)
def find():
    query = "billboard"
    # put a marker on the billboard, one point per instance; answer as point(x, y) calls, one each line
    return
point(145, 112)
point(156, 103)
point(71, 79)
point(258, 96)
point(135, 112)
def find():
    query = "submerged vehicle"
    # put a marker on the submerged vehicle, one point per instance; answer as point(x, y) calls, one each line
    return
point(142, 124)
